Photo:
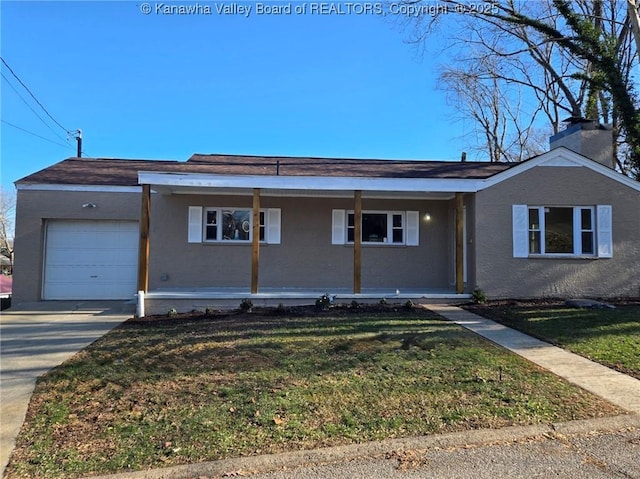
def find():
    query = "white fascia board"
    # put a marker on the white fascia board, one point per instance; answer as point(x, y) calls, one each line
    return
point(339, 183)
point(560, 157)
point(87, 188)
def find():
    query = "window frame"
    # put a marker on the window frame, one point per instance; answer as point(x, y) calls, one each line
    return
point(349, 214)
point(577, 231)
point(219, 213)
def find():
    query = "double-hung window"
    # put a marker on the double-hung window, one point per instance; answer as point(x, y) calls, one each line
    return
point(583, 231)
point(231, 225)
point(377, 227)
point(224, 224)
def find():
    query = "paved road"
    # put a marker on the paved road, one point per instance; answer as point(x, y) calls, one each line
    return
point(36, 337)
point(607, 448)
point(593, 456)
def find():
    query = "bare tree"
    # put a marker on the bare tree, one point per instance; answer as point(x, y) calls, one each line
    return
point(7, 219)
point(500, 128)
point(552, 58)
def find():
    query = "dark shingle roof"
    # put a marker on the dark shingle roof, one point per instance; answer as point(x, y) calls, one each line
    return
point(117, 172)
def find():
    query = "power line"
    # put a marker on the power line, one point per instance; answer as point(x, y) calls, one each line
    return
point(36, 135)
point(34, 97)
point(31, 108)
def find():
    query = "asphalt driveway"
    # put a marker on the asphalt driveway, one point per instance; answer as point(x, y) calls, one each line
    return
point(36, 337)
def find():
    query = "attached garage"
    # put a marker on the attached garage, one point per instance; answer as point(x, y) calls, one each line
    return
point(90, 259)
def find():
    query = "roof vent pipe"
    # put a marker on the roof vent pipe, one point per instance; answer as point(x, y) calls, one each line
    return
point(463, 157)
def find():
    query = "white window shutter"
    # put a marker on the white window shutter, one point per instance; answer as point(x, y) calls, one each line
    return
point(338, 226)
point(520, 231)
point(413, 228)
point(195, 224)
point(605, 231)
point(273, 226)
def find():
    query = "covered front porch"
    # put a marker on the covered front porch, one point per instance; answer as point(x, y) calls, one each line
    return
point(300, 238)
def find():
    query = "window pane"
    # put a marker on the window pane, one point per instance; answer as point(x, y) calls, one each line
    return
point(212, 233)
point(397, 221)
point(262, 227)
point(351, 227)
point(534, 219)
point(587, 243)
point(585, 214)
point(374, 227)
point(534, 242)
point(397, 235)
point(558, 237)
point(236, 225)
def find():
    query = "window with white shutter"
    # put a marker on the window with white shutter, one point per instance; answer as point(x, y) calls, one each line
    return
point(561, 231)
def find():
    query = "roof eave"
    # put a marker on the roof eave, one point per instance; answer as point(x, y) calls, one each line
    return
point(167, 181)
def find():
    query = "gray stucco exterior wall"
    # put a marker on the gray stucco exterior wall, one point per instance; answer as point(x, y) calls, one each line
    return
point(305, 258)
point(501, 275)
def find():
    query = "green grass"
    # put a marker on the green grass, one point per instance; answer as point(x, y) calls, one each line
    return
point(608, 336)
point(175, 391)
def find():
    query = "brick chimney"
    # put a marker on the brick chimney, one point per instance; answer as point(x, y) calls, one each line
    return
point(588, 138)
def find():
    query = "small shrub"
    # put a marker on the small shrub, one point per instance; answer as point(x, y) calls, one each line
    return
point(172, 313)
point(323, 303)
point(409, 304)
point(355, 304)
point(478, 296)
point(246, 305)
point(383, 301)
point(209, 312)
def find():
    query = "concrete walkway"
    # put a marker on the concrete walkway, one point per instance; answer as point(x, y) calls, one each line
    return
point(36, 337)
point(615, 387)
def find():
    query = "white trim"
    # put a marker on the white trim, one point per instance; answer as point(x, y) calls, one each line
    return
point(273, 219)
point(338, 227)
point(604, 231)
point(281, 193)
point(88, 188)
point(520, 218)
point(329, 183)
point(194, 224)
point(412, 228)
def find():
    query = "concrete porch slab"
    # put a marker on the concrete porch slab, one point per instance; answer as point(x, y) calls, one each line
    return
point(188, 299)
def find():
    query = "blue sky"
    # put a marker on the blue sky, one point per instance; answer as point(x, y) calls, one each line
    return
point(167, 86)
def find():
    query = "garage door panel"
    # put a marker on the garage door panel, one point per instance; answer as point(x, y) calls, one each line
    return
point(91, 257)
point(91, 260)
point(85, 290)
point(66, 274)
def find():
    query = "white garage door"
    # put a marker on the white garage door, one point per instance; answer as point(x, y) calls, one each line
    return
point(91, 260)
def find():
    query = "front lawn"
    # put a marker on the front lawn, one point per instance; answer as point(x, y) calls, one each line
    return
point(167, 391)
point(608, 336)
